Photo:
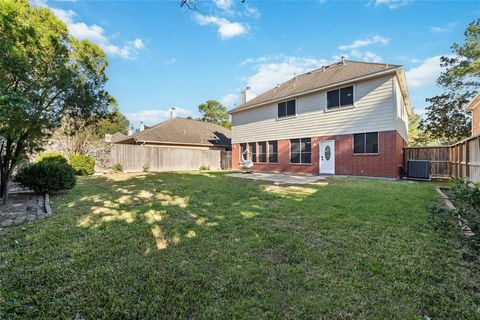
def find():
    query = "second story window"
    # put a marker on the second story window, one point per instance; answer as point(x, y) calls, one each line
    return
point(339, 98)
point(287, 109)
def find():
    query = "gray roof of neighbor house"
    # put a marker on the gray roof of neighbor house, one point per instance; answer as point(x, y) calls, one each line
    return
point(337, 73)
point(184, 132)
point(118, 136)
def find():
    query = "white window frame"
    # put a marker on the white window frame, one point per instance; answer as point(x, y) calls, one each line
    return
point(287, 117)
point(346, 107)
point(365, 144)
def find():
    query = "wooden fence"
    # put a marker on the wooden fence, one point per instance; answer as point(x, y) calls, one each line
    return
point(458, 160)
point(135, 157)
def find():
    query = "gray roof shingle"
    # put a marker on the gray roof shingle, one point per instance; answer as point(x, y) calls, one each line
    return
point(319, 78)
point(183, 131)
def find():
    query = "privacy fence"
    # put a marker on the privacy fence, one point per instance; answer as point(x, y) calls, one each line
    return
point(458, 160)
point(156, 158)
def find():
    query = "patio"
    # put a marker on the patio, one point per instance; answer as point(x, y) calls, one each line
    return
point(279, 177)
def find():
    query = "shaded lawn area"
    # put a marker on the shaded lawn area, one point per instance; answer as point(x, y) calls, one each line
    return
point(203, 245)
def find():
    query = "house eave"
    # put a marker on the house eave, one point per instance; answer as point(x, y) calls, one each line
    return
point(474, 103)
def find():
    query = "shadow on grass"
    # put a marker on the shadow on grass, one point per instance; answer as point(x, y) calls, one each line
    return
point(203, 245)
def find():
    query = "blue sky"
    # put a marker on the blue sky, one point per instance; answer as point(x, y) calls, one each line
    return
point(162, 56)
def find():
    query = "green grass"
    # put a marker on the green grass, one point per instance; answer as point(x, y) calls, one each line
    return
point(203, 245)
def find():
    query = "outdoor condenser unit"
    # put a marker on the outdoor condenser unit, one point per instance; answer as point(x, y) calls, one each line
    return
point(418, 169)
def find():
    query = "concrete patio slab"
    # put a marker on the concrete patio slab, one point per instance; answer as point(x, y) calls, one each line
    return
point(279, 177)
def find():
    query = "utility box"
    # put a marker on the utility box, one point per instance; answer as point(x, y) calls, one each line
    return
point(418, 169)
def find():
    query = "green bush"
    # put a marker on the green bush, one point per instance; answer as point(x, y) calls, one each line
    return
point(47, 176)
point(146, 167)
point(204, 168)
point(83, 165)
point(117, 167)
point(51, 157)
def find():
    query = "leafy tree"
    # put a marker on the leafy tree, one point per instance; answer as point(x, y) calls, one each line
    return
point(446, 116)
point(214, 111)
point(45, 75)
point(114, 122)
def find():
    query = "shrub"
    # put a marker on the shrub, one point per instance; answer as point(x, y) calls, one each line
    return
point(146, 167)
point(51, 157)
point(83, 165)
point(117, 167)
point(204, 167)
point(47, 176)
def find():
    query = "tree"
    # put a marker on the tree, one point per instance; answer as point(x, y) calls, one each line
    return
point(114, 122)
point(214, 111)
point(416, 135)
point(45, 75)
point(446, 115)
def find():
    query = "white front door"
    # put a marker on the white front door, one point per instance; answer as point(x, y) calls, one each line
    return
point(327, 157)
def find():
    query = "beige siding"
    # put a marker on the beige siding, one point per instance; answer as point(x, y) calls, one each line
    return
point(375, 109)
point(401, 115)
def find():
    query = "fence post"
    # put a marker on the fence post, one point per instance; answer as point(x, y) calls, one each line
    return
point(467, 157)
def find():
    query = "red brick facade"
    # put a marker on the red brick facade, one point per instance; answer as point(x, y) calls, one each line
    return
point(386, 163)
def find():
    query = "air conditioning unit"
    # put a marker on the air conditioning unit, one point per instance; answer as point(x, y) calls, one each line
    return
point(418, 169)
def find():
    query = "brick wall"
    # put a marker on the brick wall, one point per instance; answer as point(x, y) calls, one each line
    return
point(476, 121)
point(384, 164)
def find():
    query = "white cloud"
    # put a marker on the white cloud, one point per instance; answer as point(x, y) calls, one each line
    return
point(367, 56)
point(364, 42)
point(96, 34)
point(392, 4)
point(225, 5)
point(252, 12)
point(226, 28)
point(279, 69)
point(229, 100)
point(425, 74)
point(154, 116)
point(442, 29)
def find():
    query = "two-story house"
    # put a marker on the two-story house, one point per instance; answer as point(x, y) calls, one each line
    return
point(347, 118)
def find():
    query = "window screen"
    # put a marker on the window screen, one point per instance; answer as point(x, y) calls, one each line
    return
point(365, 142)
point(272, 151)
point(262, 152)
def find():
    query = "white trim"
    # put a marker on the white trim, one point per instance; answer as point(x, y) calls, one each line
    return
point(346, 107)
point(277, 118)
point(365, 144)
point(375, 75)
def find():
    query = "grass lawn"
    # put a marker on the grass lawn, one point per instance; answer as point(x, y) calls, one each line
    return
point(203, 245)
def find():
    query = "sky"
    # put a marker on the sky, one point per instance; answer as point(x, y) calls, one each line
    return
point(164, 56)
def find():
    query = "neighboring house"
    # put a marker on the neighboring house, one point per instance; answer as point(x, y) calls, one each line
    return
point(184, 133)
point(474, 108)
point(348, 118)
point(117, 136)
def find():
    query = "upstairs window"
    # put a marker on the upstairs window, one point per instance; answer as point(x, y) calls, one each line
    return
point(300, 150)
point(287, 109)
point(340, 98)
point(272, 151)
point(364, 143)
point(262, 152)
